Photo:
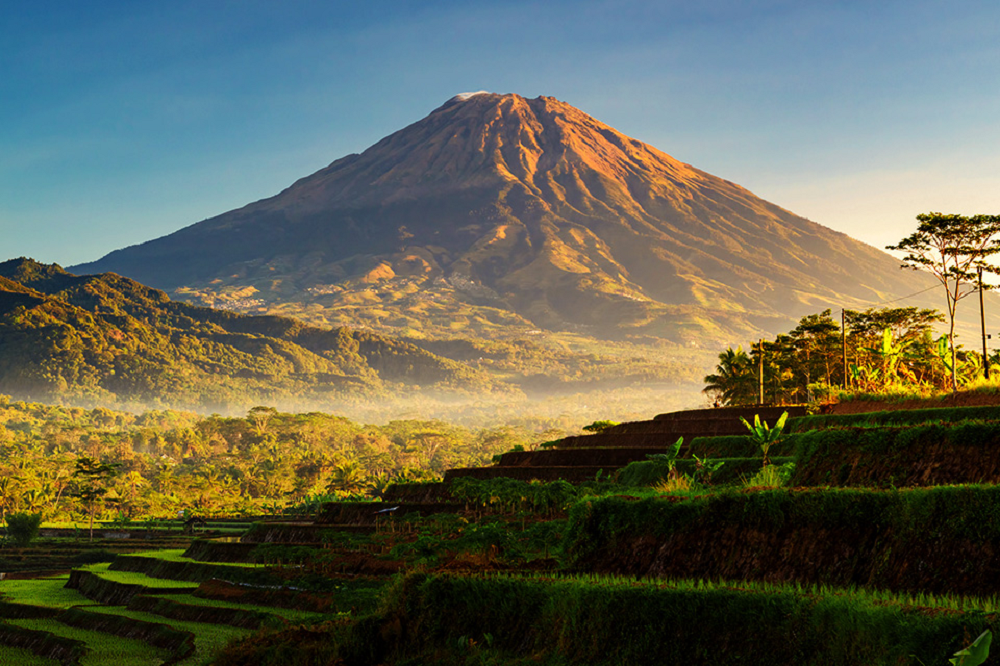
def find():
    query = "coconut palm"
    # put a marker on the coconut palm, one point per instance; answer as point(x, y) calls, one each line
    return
point(734, 381)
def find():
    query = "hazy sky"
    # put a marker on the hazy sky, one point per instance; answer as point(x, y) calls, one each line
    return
point(124, 121)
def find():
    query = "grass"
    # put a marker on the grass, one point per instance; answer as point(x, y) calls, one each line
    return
point(208, 638)
point(22, 657)
point(871, 597)
point(47, 592)
point(104, 649)
point(286, 613)
point(133, 578)
point(177, 555)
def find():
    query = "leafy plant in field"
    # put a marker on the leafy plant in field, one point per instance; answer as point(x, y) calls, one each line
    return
point(976, 653)
point(669, 485)
point(669, 458)
point(771, 476)
point(764, 435)
point(704, 468)
point(23, 527)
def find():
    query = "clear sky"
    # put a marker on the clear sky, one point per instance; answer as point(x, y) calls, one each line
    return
point(124, 121)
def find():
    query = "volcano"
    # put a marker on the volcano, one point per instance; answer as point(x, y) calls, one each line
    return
point(497, 213)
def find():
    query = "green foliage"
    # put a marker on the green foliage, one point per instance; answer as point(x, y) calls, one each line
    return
point(600, 426)
point(951, 248)
point(896, 417)
point(512, 495)
point(726, 471)
point(889, 528)
point(900, 455)
point(772, 476)
point(976, 653)
point(23, 527)
point(763, 435)
point(162, 462)
point(106, 337)
point(740, 623)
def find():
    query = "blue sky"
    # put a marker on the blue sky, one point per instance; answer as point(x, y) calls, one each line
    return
point(124, 121)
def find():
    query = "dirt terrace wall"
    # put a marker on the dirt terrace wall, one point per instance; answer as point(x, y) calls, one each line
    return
point(617, 457)
point(292, 533)
point(368, 513)
point(936, 540)
point(235, 617)
point(567, 473)
point(264, 596)
point(478, 620)
point(179, 643)
point(193, 572)
point(417, 492)
point(66, 651)
point(110, 592)
point(927, 455)
point(766, 412)
point(12, 611)
point(206, 550)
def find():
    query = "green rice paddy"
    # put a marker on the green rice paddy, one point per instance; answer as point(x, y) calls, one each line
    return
point(286, 613)
point(177, 555)
point(22, 657)
point(208, 638)
point(47, 592)
point(105, 649)
point(134, 578)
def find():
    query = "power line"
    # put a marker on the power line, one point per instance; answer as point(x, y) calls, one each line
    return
point(903, 298)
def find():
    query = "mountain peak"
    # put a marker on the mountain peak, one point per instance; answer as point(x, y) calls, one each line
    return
point(531, 208)
point(462, 97)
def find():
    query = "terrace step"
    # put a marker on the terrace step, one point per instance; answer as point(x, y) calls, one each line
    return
point(767, 413)
point(605, 440)
point(368, 513)
point(168, 608)
point(614, 457)
point(573, 474)
point(297, 533)
point(66, 651)
point(112, 593)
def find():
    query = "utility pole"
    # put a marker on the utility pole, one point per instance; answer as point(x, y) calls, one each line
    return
point(982, 321)
point(843, 342)
point(760, 372)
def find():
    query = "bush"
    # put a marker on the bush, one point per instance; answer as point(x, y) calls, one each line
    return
point(897, 417)
point(23, 527)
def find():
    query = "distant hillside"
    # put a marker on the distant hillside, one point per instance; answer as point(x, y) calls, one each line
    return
point(499, 216)
point(109, 338)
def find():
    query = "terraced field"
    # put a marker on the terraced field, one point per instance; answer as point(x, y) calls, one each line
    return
point(147, 607)
point(881, 550)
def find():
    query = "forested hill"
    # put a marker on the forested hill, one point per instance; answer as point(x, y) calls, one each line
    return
point(109, 338)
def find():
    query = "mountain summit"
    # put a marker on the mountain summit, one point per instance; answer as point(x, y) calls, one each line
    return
point(497, 211)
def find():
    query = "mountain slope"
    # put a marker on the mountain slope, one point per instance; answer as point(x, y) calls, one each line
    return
point(107, 337)
point(497, 213)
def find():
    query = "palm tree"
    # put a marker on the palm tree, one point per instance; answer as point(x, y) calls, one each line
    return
point(734, 381)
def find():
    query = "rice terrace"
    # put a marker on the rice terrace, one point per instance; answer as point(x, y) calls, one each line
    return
point(390, 334)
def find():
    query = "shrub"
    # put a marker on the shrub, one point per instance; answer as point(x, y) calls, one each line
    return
point(23, 527)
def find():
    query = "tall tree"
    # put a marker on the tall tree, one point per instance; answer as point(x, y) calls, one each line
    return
point(951, 248)
point(734, 380)
point(92, 478)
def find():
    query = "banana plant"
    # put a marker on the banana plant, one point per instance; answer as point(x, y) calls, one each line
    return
point(891, 352)
point(864, 377)
point(976, 653)
point(669, 458)
point(764, 435)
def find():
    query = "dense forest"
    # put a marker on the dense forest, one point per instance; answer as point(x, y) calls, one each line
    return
point(161, 462)
point(108, 338)
point(876, 351)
